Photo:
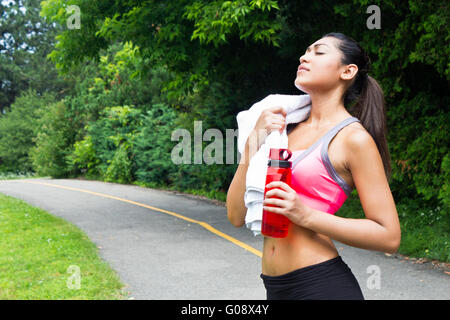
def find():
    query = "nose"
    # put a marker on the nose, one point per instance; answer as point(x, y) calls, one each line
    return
point(303, 58)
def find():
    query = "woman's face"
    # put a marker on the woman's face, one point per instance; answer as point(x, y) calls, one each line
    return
point(324, 70)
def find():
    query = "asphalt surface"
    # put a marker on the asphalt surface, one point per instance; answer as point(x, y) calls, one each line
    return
point(160, 256)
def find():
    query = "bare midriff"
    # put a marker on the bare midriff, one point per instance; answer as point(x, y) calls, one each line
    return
point(300, 248)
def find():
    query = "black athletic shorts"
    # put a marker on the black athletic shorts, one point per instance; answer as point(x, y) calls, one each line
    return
point(328, 280)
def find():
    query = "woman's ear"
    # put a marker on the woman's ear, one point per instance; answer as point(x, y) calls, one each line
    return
point(349, 72)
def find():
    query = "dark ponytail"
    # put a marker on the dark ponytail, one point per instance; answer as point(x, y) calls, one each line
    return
point(364, 99)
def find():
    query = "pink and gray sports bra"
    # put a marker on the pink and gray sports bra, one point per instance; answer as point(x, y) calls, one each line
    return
point(314, 177)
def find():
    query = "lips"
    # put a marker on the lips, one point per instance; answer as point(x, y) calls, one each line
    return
point(300, 68)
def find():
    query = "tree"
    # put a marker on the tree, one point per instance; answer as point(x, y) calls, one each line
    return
point(18, 128)
point(25, 41)
point(225, 55)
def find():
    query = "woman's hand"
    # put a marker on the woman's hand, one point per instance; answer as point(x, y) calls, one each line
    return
point(269, 120)
point(289, 203)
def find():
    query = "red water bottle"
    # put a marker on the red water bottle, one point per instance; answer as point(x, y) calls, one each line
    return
point(279, 169)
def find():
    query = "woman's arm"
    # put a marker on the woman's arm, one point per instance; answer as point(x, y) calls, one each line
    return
point(379, 231)
point(361, 233)
point(236, 209)
point(235, 204)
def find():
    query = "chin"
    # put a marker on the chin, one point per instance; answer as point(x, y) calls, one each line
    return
point(300, 87)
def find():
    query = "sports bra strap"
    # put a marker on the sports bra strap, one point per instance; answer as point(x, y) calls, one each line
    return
point(340, 126)
point(326, 137)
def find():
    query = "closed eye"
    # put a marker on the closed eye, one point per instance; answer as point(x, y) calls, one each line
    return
point(309, 48)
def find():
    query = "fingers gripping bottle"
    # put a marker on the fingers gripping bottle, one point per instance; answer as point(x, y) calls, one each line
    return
point(279, 169)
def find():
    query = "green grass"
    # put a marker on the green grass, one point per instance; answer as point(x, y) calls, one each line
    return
point(36, 252)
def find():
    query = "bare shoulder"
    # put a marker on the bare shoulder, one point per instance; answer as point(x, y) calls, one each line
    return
point(361, 148)
point(357, 137)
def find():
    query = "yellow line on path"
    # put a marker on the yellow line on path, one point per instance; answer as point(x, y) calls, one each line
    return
point(200, 223)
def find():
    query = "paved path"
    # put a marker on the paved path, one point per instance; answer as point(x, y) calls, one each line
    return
point(161, 256)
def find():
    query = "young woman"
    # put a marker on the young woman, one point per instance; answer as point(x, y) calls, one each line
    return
point(333, 152)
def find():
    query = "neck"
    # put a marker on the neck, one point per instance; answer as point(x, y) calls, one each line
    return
point(327, 108)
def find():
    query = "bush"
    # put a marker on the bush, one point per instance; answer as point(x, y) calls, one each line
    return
point(18, 128)
point(84, 158)
point(119, 169)
point(53, 142)
point(152, 146)
point(106, 147)
point(419, 150)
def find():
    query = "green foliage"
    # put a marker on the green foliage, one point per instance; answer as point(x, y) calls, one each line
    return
point(18, 127)
point(92, 13)
point(111, 137)
point(214, 21)
point(119, 169)
point(101, 128)
point(84, 158)
point(418, 149)
point(444, 192)
point(429, 21)
point(54, 142)
point(25, 40)
point(411, 32)
point(152, 146)
point(164, 31)
point(95, 87)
